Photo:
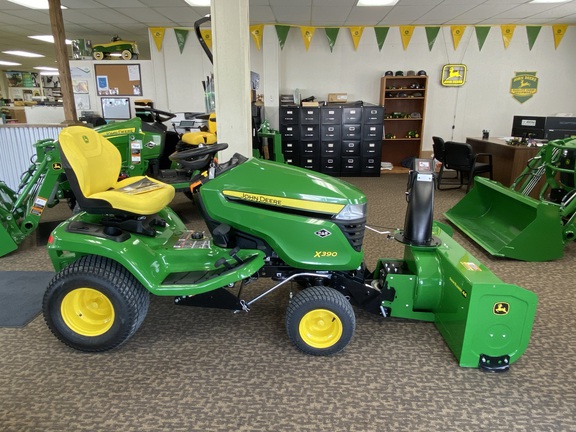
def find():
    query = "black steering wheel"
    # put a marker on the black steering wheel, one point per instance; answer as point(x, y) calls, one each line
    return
point(161, 116)
point(197, 152)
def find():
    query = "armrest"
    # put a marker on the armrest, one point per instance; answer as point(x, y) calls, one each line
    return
point(489, 155)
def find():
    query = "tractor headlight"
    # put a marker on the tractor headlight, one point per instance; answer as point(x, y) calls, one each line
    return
point(352, 212)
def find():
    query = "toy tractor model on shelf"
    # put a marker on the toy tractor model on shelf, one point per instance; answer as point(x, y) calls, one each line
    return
point(127, 50)
point(509, 223)
point(265, 220)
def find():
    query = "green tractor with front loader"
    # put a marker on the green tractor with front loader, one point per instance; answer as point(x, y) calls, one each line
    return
point(267, 220)
point(533, 219)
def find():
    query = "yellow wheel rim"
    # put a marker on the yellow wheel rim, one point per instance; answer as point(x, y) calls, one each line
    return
point(87, 312)
point(320, 328)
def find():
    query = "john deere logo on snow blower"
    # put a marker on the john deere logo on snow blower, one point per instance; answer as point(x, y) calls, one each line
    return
point(323, 233)
point(523, 86)
point(501, 308)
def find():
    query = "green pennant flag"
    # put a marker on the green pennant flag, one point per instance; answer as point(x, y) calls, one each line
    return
point(332, 34)
point(481, 33)
point(181, 36)
point(282, 32)
point(431, 34)
point(381, 33)
point(532, 32)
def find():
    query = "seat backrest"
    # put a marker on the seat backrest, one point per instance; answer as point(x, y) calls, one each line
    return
point(92, 163)
point(439, 148)
point(458, 155)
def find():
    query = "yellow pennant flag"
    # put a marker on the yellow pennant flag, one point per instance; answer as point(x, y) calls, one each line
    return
point(507, 33)
point(158, 36)
point(207, 36)
point(406, 34)
point(307, 35)
point(559, 30)
point(457, 33)
point(257, 31)
point(356, 33)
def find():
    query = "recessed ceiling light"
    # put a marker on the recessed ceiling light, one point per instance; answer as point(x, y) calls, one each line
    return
point(549, 1)
point(50, 73)
point(377, 2)
point(48, 38)
point(45, 68)
point(7, 63)
point(22, 53)
point(34, 4)
point(204, 3)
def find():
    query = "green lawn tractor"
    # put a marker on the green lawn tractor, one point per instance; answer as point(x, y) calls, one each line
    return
point(266, 220)
point(508, 222)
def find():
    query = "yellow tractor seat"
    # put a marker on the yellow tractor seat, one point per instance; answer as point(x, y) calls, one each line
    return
point(92, 165)
point(197, 138)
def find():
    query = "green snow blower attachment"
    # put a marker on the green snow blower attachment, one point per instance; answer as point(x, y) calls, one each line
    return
point(509, 223)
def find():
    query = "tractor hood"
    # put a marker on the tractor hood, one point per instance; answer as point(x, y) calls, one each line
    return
point(280, 185)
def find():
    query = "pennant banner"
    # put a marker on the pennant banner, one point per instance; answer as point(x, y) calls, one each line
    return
point(356, 33)
point(381, 33)
point(457, 33)
point(532, 33)
point(406, 34)
point(507, 33)
point(181, 36)
point(481, 33)
point(282, 32)
point(257, 31)
point(332, 34)
point(307, 35)
point(431, 35)
point(158, 36)
point(207, 36)
point(559, 31)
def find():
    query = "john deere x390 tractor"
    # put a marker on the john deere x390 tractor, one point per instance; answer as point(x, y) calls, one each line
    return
point(265, 220)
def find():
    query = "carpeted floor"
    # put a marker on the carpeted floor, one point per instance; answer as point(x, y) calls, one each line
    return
point(191, 369)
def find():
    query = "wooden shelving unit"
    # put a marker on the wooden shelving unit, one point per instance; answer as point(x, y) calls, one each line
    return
point(404, 101)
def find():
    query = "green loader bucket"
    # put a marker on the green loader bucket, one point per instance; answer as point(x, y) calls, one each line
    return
point(7, 243)
point(508, 224)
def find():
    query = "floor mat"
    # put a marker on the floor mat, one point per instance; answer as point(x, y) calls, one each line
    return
point(21, 295)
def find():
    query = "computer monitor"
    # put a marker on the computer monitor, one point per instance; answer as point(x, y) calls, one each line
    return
point(529, 127)
point(559, 127)
point(116, 108)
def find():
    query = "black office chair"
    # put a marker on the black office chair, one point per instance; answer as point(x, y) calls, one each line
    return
point(461, 157)
point(439, 154)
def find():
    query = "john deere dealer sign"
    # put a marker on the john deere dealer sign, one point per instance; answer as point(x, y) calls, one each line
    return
point(523, 86)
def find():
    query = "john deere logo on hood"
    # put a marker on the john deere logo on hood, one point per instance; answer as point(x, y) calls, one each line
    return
point(523, 86)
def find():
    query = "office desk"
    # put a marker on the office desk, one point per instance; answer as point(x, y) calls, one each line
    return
point(508, 160)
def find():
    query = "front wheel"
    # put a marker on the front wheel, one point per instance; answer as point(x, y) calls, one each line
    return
point(98, 55)
point(126, 54)
point(95, 304)
point(320, 321)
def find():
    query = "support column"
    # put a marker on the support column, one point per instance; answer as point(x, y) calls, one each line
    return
point(271, 72)
point(231, 51)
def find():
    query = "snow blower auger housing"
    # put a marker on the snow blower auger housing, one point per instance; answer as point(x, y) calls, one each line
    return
point(509, 223)
point(271, 220)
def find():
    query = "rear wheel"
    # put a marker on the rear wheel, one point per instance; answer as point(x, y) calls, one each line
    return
point(95, 304)
point(98, 55)
point(126, 54)
point(320, 321)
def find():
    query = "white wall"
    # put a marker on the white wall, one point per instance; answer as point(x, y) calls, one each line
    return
point(484, 102)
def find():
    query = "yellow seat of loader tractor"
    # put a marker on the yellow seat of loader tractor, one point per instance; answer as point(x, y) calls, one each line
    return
point(92, 165)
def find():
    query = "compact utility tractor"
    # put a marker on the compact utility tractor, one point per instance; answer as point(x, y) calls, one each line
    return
point(265, 220)
point(509, 222)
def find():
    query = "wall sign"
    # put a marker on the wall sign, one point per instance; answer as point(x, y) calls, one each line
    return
point(453, 75)
point(523, 86)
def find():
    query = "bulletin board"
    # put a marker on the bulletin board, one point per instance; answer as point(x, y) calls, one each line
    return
point(118, 80)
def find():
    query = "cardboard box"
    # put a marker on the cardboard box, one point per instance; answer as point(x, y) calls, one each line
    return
point(337, 97)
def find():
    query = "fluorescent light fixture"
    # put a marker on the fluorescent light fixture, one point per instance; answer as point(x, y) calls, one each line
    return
point(377, 2)
point(7, 63)
point(45, 68)
point(34, 4)
point(203, 3)
point(22, 53)
point(50, 73)
point(48, 38)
